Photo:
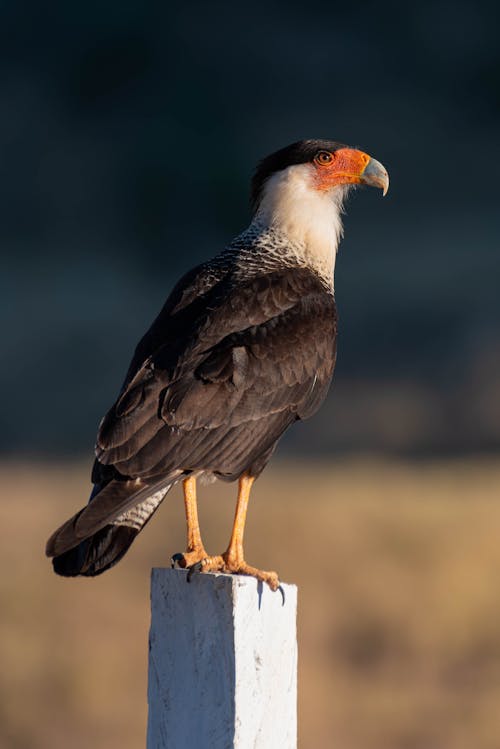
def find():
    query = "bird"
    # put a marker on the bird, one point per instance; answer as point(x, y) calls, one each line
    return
point(244, 347)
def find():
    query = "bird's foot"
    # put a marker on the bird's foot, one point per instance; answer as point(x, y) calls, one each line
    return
point(206, 564)
point(190, 558)
point(240, 567)
point(233, 564)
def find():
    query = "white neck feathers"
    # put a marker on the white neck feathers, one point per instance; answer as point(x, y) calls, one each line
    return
point(310, 219)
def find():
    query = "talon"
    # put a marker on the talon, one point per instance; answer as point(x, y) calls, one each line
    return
point(176, 559)
point(282, 591)
point(194, 569)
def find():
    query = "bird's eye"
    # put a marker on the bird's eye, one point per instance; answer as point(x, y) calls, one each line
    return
point(323, 158)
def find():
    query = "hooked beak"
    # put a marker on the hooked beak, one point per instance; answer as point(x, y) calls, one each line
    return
point(375, 175)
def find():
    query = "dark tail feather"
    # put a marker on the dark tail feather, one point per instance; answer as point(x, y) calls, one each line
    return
point(96, 554)
point(110, 505)
point(105, 545)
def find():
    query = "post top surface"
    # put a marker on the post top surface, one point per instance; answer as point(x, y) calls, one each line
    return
point(221, 579)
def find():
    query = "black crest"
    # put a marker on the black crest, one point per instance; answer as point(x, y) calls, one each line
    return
point(296, 153)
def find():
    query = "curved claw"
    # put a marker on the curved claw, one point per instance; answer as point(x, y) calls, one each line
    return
point(282, 591)
point(193, 570)
point(175, 559)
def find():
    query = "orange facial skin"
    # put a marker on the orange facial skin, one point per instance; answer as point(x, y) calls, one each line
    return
point(345, 168)
point(348, 166)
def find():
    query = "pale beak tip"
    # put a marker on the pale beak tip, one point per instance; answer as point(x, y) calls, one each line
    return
point(375, 174)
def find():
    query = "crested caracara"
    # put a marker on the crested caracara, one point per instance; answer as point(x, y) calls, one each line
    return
point(244, 346)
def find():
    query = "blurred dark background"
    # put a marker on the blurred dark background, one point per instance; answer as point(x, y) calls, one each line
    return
point(128, 134)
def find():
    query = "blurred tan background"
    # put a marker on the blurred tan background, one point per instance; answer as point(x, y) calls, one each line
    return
point(399, 609)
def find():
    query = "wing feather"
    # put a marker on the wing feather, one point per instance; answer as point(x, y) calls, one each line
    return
point(223, 371)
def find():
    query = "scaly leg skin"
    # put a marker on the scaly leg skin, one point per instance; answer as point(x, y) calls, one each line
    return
point(195, 550)
point(233, 560)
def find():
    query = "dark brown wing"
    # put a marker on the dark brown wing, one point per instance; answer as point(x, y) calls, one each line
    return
point(228, 364)
point(221, 374)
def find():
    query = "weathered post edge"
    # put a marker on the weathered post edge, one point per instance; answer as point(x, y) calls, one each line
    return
point(222, 663)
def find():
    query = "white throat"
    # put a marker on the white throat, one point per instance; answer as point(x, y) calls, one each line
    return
point(309, 218)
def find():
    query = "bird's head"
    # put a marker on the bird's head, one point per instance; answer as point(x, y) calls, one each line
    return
point(298, 194)
point(324, 167)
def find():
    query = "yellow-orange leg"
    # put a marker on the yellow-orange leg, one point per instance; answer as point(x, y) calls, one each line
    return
point(233, 560)
point(195, 549)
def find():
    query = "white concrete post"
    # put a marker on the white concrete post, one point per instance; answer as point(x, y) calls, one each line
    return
point(222, 663)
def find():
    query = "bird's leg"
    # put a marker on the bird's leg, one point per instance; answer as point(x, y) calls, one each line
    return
point(232, 560)
point(233, 556)
point(195, 549)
